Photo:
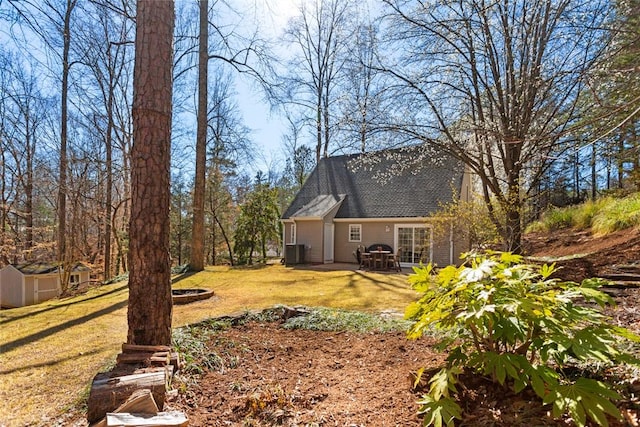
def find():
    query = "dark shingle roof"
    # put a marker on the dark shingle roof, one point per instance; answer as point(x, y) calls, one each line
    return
point(319, 206)
point(47, 267)
point(409, 182)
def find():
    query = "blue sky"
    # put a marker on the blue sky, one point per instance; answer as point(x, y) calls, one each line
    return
point(268, 127)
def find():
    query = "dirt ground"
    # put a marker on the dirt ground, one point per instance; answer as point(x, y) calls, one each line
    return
point(587, 255)
point(272, 376)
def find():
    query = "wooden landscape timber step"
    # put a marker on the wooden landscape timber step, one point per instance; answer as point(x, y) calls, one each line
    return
point(619, 282)
point(626, 267)
point(622, 277)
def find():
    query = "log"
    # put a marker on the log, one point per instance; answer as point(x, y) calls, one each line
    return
point(174, 360)
point(174, 357)
point(109, 393)
point(168, 372)
point(133, 348)
point(140, 402)
point(162, 419)
point(160, 358)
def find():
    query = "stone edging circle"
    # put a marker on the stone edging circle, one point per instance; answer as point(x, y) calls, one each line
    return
point(185, 296)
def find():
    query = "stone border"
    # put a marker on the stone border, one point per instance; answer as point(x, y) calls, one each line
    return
point(185, 296)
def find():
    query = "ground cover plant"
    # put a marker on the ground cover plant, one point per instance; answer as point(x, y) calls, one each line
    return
point(512, 322)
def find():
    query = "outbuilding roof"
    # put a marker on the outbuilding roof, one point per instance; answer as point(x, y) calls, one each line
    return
point(30, 268)
point(400, 183)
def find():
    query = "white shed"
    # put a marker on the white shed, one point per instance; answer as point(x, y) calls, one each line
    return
point(33, 283)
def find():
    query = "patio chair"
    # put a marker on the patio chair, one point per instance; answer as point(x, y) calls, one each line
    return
point(365, 258)
point(393, 261)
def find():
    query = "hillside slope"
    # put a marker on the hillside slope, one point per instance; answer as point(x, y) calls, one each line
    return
point(582, 255)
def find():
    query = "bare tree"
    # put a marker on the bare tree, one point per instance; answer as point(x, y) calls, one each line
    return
point(24, 124)
point(319, 36)
point(106, 42)
point(615, 93)
point(227, 43)
point(196, 262)
point(229, 146)
point(44, 19)
point(495, 84)
point(150, 304)
point(64, 112)
point(362, 93)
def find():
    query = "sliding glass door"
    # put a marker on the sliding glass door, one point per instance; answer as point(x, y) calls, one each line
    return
point(414, 243)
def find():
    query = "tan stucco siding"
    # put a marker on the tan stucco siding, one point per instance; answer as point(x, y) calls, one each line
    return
point(466, 189)
point(343, 248)
point(310, 234)
point(383, 232)
point(441, 251)
point(376, 232)
point(372, 232)
point(461, 245)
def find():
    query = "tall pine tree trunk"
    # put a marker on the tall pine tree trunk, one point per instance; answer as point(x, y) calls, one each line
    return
point(150, 303)
point(197, 236)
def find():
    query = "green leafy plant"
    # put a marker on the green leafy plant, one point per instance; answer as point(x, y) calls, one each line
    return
point(331, 319)
point(512, 322)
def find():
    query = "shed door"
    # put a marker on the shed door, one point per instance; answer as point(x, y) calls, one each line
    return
point(328, 243)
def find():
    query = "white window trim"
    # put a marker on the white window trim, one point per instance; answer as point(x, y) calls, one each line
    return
point(359, 232)
point(292, 237)
point(428, 227)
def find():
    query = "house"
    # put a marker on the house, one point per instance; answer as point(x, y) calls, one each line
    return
point(33, 283)
point(379, 198)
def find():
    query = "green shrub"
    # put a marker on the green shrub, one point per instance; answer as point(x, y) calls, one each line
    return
point(603, 216)
point(585, 213)
point(510, 321)
point(559, 218)
point(617, 215)
point(553, 219)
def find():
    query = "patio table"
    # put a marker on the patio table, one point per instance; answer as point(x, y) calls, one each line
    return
point(379, 257)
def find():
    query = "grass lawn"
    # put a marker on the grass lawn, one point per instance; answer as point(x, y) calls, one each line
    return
point(50, 352)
